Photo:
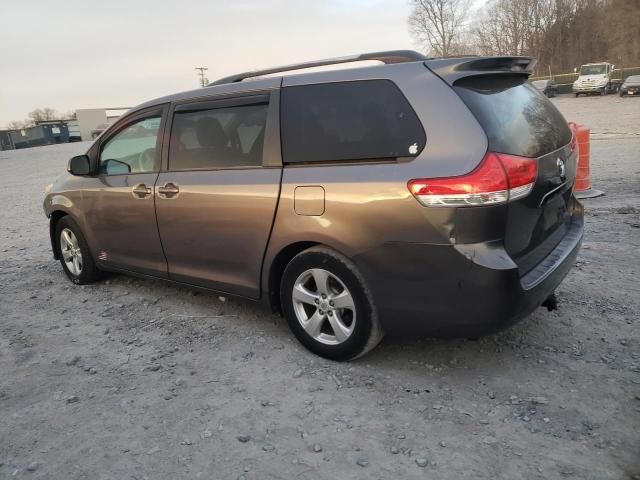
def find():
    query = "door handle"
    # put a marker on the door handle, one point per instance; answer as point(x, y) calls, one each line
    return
point(168, 190)
point(141, 191)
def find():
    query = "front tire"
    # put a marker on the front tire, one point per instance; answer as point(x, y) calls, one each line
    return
point(74, 254)
point(328, 306)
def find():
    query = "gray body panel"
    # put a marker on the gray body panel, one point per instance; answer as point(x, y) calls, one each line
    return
point(215, 232)
point(230, 229)
point(123, 226)
point(112, 220)
point(454, 147)
point(366, 208)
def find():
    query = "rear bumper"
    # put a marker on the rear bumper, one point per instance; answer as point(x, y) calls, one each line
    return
point(466, 290)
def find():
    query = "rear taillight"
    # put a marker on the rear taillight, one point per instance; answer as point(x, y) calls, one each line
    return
point(498, 179)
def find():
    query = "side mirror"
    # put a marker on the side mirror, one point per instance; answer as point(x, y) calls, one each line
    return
point(79, 165)
point(112, 166)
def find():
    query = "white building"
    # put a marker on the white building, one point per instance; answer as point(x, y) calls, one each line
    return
point(91, 120)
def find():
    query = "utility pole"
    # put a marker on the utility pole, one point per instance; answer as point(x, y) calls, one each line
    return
point(203, 79)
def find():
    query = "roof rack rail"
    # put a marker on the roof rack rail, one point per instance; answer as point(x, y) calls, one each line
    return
point(391, 56)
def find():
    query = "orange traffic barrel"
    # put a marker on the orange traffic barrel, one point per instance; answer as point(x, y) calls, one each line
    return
point(582, 187)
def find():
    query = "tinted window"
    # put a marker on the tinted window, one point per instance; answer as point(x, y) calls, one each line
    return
point(220, 138)
point(348, 121)
point(516, 118)
point(131, 150)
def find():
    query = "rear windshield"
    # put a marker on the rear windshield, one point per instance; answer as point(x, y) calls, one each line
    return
point(517, 119)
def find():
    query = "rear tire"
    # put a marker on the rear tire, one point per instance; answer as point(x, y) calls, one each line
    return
point(328, 306)
point(74, 253)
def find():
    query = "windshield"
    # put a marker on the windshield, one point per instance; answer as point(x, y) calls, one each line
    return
point(593, 70)
point(633, 79)
point(516, 118)
point(540, 83)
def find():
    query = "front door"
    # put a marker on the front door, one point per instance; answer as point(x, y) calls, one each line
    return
point(122, 214)
point(217, 196)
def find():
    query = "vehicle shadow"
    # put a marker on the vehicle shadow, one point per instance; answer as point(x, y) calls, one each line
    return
point(535, 336)
point(193, 308)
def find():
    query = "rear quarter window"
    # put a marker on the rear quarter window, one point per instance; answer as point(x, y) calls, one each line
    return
point(347, 121)
point(518, 119)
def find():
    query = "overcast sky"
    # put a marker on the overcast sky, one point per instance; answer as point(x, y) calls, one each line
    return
point(112, 53)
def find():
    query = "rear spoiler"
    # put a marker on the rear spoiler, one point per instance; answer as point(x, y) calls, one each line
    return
point(455, 68)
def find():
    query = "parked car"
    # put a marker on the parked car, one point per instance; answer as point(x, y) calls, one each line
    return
point(421, 195)
point(548, 87)
point(615, 84)
point(631, 86)
point(74, 131)
point(95, 132)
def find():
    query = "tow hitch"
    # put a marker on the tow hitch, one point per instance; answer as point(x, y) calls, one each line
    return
point(551, 302)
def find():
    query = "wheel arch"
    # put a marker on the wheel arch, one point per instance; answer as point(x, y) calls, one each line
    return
point(276, 269)
point(280, 262)
point(54, 219)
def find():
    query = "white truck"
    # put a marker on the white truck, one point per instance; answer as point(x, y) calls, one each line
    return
point(594, 78)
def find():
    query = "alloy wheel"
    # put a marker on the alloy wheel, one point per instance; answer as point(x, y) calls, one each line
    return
point(71, 253)
point(324, 306)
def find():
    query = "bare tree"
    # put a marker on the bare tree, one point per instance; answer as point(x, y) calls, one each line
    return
point(438, 24)
point(561, 34)
point(16, 125)
point(70, 115)
point(511, 27)
point(42, 114)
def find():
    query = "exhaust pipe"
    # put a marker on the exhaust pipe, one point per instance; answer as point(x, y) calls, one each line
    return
point(551, 303)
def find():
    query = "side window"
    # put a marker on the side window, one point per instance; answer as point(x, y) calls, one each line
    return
point(132, 150)
point(219, 138)
point(360, 120)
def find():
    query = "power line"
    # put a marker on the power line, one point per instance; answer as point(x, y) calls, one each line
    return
point(203, 79)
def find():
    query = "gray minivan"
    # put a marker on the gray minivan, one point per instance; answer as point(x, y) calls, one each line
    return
point(430, 196)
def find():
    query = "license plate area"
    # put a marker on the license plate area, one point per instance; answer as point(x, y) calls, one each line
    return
point(536, 223)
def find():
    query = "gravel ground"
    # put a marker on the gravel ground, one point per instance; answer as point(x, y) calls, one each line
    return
point(136, 379)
